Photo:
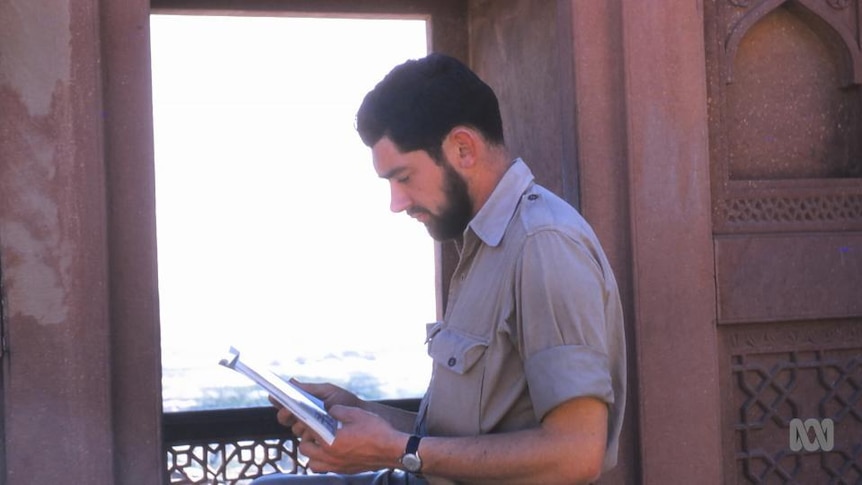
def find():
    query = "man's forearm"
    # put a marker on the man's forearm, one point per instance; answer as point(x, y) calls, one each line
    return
point(501, 459)
point(568, 448)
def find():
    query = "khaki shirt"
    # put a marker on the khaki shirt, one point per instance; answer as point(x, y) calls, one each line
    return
point(533, 320)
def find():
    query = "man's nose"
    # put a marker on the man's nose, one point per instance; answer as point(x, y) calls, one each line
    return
point(399, 201)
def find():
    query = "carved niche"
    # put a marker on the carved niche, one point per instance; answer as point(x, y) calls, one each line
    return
point(785, 105)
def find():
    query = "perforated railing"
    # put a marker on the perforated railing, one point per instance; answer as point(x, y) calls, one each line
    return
point(227, 446)
point(233, 446)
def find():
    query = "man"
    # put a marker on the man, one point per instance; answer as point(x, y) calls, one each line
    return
point(528, 384)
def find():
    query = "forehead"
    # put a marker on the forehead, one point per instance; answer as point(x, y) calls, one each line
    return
point(388, 161)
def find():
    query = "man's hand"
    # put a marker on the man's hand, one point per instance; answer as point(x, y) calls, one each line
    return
point(365, 442)
point(330, 394)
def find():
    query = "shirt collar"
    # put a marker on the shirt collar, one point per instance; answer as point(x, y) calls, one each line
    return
point(491, 221)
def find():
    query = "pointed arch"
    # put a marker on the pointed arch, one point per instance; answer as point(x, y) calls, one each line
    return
point(851, 54)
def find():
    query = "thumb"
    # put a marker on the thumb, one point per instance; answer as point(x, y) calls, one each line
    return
point(345, 414)
point(310, 387)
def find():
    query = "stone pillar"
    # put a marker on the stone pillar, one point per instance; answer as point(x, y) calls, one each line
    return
point(77, 254)
point(672, 250)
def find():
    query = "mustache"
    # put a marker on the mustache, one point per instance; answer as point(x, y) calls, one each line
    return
point(413, 211)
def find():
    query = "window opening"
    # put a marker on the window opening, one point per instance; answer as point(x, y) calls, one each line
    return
point(274, 233)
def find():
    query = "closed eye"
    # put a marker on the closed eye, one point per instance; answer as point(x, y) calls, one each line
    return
point(398, 174)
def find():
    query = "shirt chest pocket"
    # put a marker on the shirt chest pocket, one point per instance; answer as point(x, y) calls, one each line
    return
point(456, 351)
point(455, 393)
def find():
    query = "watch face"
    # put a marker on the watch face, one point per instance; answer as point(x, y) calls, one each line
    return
point(411, 462)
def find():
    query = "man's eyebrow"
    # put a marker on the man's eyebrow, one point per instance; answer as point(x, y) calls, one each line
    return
point(393, 173)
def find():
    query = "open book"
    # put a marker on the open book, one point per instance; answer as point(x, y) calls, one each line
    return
point(303, 405)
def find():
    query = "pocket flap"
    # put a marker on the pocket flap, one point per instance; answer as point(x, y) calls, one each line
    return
point(456, 351)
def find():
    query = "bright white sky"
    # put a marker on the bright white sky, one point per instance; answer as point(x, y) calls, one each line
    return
point(274, 231)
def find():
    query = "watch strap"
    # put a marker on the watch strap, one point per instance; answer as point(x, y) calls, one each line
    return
point(412, 445)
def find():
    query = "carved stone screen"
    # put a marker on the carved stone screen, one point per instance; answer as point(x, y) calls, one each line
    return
point(785, 106)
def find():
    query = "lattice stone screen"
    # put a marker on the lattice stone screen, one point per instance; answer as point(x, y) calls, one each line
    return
point(231, 446)
point(231, 462)
point(780, 373)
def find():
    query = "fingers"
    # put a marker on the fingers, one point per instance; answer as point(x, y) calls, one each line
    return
point(344, 413)
point(306, 435)
point(318, 459)
point(301, 430)
point(274, 402)
point(285, 418)
point(297, 427)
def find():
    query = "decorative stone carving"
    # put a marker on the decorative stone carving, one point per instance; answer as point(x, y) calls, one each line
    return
point(761, 338)
point(826, 208)
point(779, 163)
point(775, 380)
point(231, 462)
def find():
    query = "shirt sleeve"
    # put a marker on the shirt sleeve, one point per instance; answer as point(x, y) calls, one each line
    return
point(561, 316)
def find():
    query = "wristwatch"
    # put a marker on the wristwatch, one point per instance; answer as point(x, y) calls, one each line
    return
point(410, 459)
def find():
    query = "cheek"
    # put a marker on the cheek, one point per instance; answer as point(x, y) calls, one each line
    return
point(438, 193)
point(434, 202)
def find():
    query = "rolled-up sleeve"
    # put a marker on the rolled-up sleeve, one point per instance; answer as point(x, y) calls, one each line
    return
point(562, 322)
point(561, 373)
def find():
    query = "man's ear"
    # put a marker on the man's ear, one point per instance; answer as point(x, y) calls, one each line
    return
point(462, 146)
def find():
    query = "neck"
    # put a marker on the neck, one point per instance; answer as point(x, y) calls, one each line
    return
point(497, 163)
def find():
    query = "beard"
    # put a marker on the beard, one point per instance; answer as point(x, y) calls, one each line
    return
point(455, 215)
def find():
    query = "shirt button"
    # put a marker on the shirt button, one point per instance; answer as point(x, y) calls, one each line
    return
point(452, 361)
point(532, 196)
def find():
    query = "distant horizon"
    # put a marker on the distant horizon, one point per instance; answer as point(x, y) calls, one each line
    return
point(270, 217)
